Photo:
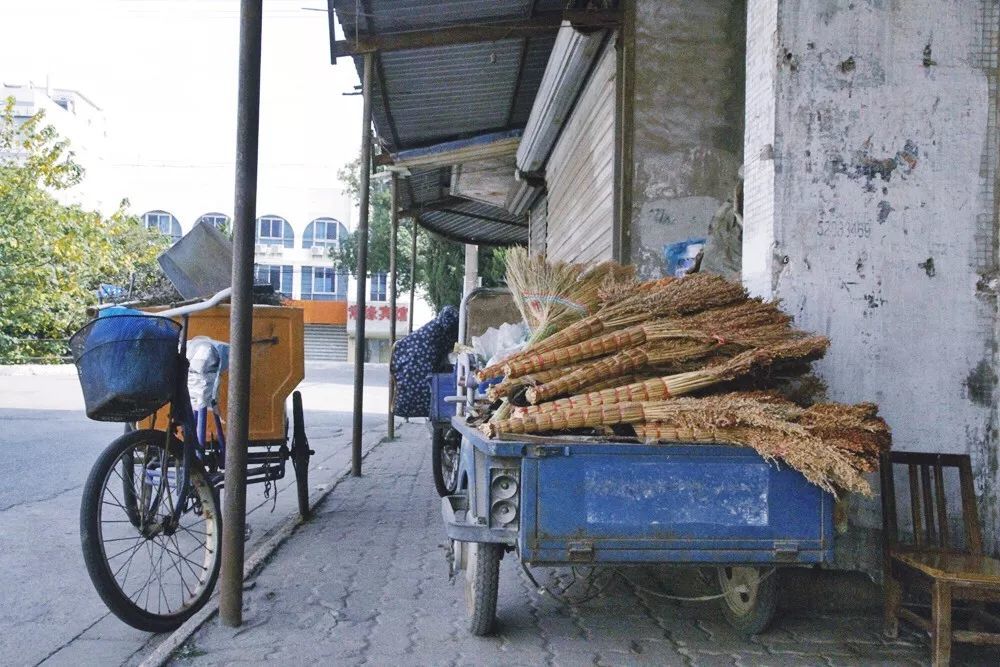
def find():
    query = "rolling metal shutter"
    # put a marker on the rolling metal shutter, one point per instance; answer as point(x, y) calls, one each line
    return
point(580, 173)
point(537, 226)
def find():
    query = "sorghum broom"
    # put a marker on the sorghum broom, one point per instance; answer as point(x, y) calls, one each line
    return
point(654, 389)
point(509, 385)
point(718, 324)
point(657, 353)
point(676, 297)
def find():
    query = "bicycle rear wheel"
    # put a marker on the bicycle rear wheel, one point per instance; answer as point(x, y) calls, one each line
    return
point(151, 571)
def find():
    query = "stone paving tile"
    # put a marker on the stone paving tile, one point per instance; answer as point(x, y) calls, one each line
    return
point(365, 582)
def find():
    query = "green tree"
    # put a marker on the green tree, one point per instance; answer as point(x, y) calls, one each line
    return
point(440, 265)
point(54, 256)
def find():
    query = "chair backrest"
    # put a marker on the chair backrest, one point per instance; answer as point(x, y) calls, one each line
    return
point(928, 506)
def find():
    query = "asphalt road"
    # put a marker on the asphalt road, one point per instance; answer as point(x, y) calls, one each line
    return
point(49, 612)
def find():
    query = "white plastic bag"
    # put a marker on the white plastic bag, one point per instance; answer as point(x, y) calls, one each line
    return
point(208, 359)
point(498, 343)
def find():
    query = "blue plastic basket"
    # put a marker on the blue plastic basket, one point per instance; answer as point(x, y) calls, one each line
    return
point(127, 364)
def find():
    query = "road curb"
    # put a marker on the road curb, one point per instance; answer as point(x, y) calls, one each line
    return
point(256, 561)
point(10, 370)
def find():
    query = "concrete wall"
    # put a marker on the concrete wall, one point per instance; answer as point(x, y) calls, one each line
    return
point(687, 120)
point(870, 210)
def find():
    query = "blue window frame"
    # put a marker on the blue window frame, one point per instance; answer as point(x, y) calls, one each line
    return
point(279, 277)
point(165, 222)
point(323, 283)
point(275, 230)
point(324, 233)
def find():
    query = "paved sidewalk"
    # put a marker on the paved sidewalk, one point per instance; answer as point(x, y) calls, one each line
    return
point(366, 582)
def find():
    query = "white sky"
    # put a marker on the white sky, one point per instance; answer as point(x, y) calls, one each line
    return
point(165, 74)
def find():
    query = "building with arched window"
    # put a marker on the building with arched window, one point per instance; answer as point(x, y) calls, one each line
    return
point(293, 254)
point(217, 220)
point(273, 230)
point(165, 222)
point(323, 233)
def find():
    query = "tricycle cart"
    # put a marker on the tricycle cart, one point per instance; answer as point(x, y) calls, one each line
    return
point(482, 308)
point(150, 523)
point(579, 502)
point(445, 440)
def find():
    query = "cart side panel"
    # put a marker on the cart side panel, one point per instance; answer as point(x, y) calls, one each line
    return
point(677, 504)
point(277, 364)
point(443, 385)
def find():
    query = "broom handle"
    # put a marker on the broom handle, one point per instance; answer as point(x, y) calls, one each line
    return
point(588, 349)
point(620, 364)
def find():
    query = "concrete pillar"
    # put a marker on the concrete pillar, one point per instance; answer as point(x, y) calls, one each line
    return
point(870, 211)
point(687, 121)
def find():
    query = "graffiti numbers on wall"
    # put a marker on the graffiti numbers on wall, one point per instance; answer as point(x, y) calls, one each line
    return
point(837, 229)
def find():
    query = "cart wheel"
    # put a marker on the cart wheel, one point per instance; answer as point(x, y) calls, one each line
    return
point(482, 575)
point(300, 455)
point(749, 599)
point(445, 448)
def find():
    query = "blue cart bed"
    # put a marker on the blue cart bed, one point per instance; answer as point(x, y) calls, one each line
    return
point(582, 502)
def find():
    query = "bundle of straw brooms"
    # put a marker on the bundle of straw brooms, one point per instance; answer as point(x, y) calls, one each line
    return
point(623, 367)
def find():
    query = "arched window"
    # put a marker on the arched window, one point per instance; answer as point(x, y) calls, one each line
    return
point(165, 222)
point(324, 233)
point(217, 220)
point(275, 230)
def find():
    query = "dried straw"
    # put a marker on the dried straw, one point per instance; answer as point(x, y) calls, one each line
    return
point(553, 295)
point(540, 289)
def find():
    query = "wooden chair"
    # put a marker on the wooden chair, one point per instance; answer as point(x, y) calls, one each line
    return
point(930, 562)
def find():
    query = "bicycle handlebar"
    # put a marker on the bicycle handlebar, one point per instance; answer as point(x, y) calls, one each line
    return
point(197, 307)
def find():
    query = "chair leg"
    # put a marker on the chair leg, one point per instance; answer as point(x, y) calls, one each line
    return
point(941, 624)
point(893, 601)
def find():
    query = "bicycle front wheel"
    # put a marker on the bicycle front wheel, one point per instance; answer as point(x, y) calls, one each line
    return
point(152, 571)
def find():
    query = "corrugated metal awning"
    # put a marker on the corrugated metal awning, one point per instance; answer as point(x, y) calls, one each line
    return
point(443, 93)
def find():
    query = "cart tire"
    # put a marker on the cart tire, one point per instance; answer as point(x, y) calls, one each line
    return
point(482, 577)
point(444, 460)
point(750, 595)
point(300, 455)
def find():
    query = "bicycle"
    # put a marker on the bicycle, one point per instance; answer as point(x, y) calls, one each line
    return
point(150, 520)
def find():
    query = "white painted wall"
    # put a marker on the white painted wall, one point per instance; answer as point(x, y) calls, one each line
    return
point(870, 210)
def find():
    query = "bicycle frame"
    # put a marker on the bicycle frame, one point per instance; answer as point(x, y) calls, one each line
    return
point(193, 425)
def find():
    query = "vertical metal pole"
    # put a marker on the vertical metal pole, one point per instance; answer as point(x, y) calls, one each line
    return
point(413, 273)
point(241, 315)
point(471, 267)
point(393, 237)
point(362, 269)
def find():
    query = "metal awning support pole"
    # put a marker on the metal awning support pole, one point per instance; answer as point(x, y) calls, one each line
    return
point(413, 272)
point(470, 283)
point(241, 315)
point(471, 267)
point(393, 236)
point(362, 268)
